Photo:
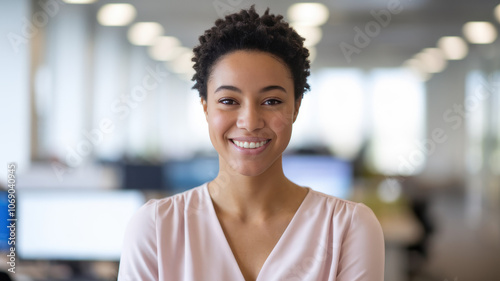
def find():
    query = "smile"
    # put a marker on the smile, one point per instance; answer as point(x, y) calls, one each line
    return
point(250, 145)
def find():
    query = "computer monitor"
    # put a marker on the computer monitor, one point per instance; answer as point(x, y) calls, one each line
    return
point(74, 225)
point(323, 173)
point(181, 175)
point(142, 176)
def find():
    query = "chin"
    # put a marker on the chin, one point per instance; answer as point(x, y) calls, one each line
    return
point(252, 168)
point(245, 170)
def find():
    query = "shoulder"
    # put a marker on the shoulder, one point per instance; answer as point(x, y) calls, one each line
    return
point(364, 216)
point(174, 205)
point(144, 217)
point(330, 203)
point(356, 221)
point(357, 236)
point(168, 209)
point(348, 213)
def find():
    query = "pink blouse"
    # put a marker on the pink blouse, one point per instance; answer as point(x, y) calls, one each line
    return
point(179, 238)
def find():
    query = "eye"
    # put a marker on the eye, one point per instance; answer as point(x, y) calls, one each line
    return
point(228, 101)
point(272, 102)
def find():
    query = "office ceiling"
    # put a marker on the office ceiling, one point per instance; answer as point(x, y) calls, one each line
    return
point(419, 24)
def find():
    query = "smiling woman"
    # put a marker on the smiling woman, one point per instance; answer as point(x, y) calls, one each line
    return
point(250, 108)
point(251, 222)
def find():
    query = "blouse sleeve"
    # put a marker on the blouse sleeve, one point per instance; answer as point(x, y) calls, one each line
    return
point(362, 253)
point(139, 252)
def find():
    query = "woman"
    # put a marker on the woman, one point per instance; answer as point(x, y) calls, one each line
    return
point(251, 222)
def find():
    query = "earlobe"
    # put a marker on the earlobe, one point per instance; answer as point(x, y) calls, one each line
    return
point(296, 109)
point(204, 104)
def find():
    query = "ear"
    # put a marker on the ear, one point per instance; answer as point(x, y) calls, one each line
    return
point(204, 104)
point(296, 109)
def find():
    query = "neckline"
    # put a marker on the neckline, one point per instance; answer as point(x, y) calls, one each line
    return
point(227, 247)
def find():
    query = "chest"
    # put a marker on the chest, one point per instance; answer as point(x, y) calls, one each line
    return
point(252, 244)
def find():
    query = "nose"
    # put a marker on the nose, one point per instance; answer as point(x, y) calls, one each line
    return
point(250, 118)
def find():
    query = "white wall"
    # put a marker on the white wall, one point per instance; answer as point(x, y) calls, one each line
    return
point(446, 149)
point(14, 82)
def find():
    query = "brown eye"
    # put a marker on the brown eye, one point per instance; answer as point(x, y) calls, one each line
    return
point(272, 102)
point(227, 101)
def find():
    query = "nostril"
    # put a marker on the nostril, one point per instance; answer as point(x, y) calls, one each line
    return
point(250, 121)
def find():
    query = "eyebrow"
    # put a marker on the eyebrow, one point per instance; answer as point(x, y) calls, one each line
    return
point(235, 89)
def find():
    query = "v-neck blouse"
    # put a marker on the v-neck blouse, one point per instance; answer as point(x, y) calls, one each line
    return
point(179, 238)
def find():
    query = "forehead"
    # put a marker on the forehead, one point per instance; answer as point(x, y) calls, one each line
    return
point(249, 69)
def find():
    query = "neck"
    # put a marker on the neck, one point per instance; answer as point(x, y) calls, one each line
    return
point(252, 198)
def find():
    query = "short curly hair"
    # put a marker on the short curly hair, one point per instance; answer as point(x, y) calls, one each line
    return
point(246, 30)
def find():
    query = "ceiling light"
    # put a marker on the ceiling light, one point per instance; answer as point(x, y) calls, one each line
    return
point(79, 1)
point(144, 33)
point(497, 12)
point(432, 60)
point(312, 34)
point(116, 14)
point(453, 47)
point(416, 67)
point(310, 14)
point(480, 32)
point(165, 48)
point(183, 63)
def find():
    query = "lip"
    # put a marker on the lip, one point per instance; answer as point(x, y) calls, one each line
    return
point(249, 139)
point(250, 151)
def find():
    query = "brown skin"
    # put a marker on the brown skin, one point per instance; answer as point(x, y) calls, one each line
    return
point(250, 94)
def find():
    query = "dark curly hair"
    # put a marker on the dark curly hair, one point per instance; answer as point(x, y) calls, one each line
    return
point(247, 30)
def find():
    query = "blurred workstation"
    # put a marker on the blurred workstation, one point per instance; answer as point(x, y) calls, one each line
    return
point(97, 116)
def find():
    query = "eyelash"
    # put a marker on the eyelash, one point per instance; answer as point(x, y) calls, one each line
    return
point(275, 101)
point(224, 101)
point(233, 102)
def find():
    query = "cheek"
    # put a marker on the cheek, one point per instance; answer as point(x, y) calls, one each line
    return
point(282, 123)
point(218, 124)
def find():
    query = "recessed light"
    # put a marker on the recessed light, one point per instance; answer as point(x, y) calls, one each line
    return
point(453, 47)
point(309, 14)
point(497, 12)
point(116, 14)
point(432, 60)
point(165, 48)
point(183, 63)
point(416, 67)
point(480, 32)
point(144, 33)
point(312, 34)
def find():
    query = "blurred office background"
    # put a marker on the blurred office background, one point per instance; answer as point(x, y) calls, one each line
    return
point(97, 112)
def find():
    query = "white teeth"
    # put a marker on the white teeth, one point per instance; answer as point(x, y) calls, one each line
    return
point(249, 144)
